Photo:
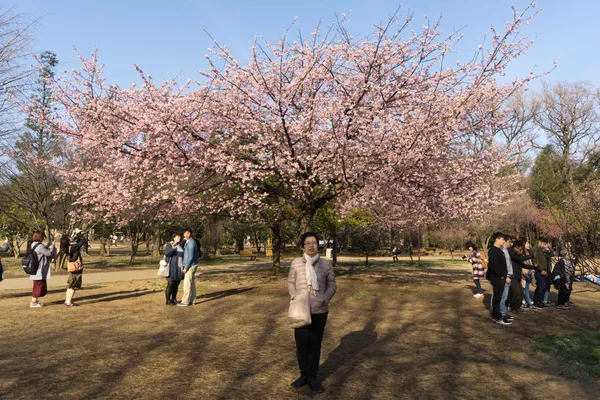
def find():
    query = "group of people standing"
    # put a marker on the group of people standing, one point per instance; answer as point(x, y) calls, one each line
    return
point(512, 265)
point(182, 256)
point(70, 252)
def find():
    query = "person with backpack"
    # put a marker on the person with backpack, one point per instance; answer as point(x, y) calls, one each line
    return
point(39, 257)
point(476, 261)
point(75, 266)
point(174, 258)
point(562, 278)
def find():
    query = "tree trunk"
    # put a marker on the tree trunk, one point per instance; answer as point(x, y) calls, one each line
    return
point(135, 243)
point(16, 248)
point(367, 255)
point(419, 249)
point(157, 244)
point(103, 246)
point(256, 242)
point(276, 230)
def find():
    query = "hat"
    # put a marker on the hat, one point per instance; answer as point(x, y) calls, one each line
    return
point(77, 230)
point(469, 244)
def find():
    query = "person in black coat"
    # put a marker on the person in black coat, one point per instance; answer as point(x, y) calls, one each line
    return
point(515, 294)
point(497, 274)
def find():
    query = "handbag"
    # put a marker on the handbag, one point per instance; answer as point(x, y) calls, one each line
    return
point(163, 269)
point(75, 266)
point(299, 312)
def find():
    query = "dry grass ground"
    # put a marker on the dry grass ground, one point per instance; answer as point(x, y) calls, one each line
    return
point(393, 333)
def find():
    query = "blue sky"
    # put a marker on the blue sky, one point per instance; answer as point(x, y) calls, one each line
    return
point(166, 38)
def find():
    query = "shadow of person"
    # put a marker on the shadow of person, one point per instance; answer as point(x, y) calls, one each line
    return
point(350, 347)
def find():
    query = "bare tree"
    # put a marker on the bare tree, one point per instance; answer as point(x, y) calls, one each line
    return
point(568, 115)
point(15, 69)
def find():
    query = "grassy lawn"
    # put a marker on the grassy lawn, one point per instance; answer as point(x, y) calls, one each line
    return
point(581, 349)
point(394, 331)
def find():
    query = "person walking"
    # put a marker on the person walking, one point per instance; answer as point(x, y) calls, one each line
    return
point(314, 275)
point(497, 274)
point(45, 254)
point(191, 255)
point(174, 254)
point(75, 277)
point(478, 272)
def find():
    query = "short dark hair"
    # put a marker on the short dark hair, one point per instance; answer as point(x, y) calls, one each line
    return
point(509, 237)
point(498, 235)
point(543, 239)
point(173, 234)
point(188, 229)
point(37, 236)
point(307, 235)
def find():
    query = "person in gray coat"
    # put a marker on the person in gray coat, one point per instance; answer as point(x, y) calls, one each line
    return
point(311, 274)
point(45, 254)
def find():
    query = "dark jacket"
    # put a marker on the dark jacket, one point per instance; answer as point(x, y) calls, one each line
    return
point(543, 259)
point(518, 263)
point(75, 250)
point(497, 268)
point(174, 257)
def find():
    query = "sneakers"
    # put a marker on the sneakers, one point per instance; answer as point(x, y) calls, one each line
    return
point(182, 305)
point(563, 307)
point(68, 304)
point(298, 383)
point(35, 305)
point(529, 307)
point(503, 321)
point(509, 317)
point(478, 295)
point(569, 303)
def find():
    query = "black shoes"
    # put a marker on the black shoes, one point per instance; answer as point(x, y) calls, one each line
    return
point(315, 386)
point(298, 383)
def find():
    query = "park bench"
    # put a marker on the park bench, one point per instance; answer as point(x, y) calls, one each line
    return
point(248, 254)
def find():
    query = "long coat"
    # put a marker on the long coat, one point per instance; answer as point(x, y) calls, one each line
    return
point(174, 256)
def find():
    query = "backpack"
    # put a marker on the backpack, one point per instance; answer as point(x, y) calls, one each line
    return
point(31, 262)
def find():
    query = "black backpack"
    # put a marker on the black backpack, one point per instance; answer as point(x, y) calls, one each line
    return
point(31, 262)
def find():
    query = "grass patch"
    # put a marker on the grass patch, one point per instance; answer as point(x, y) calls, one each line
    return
point(581, 348)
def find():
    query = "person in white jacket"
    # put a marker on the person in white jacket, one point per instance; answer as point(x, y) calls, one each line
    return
point(45, 254)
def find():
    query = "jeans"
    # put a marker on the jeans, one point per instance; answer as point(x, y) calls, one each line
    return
point(503, 299)
point(478, 286)
point(308, 345)
point(540, 287)
point(528, 279)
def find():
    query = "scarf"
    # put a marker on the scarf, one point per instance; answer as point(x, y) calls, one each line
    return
point(311, 275)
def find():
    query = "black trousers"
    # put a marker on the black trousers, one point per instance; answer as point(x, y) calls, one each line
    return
point(308, 345)
point(515, 294)
point(541, 285)
point(171, 290)
point(564, 293)
point(498, 287)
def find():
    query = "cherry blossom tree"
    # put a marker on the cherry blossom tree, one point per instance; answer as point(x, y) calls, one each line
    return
point(380, 121)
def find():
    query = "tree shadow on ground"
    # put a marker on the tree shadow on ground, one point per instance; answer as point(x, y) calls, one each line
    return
point(223, 293)
point(52, 291)
point(351, 345)
point(106, 297)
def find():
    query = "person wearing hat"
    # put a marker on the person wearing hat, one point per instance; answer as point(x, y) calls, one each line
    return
point(478, 273)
